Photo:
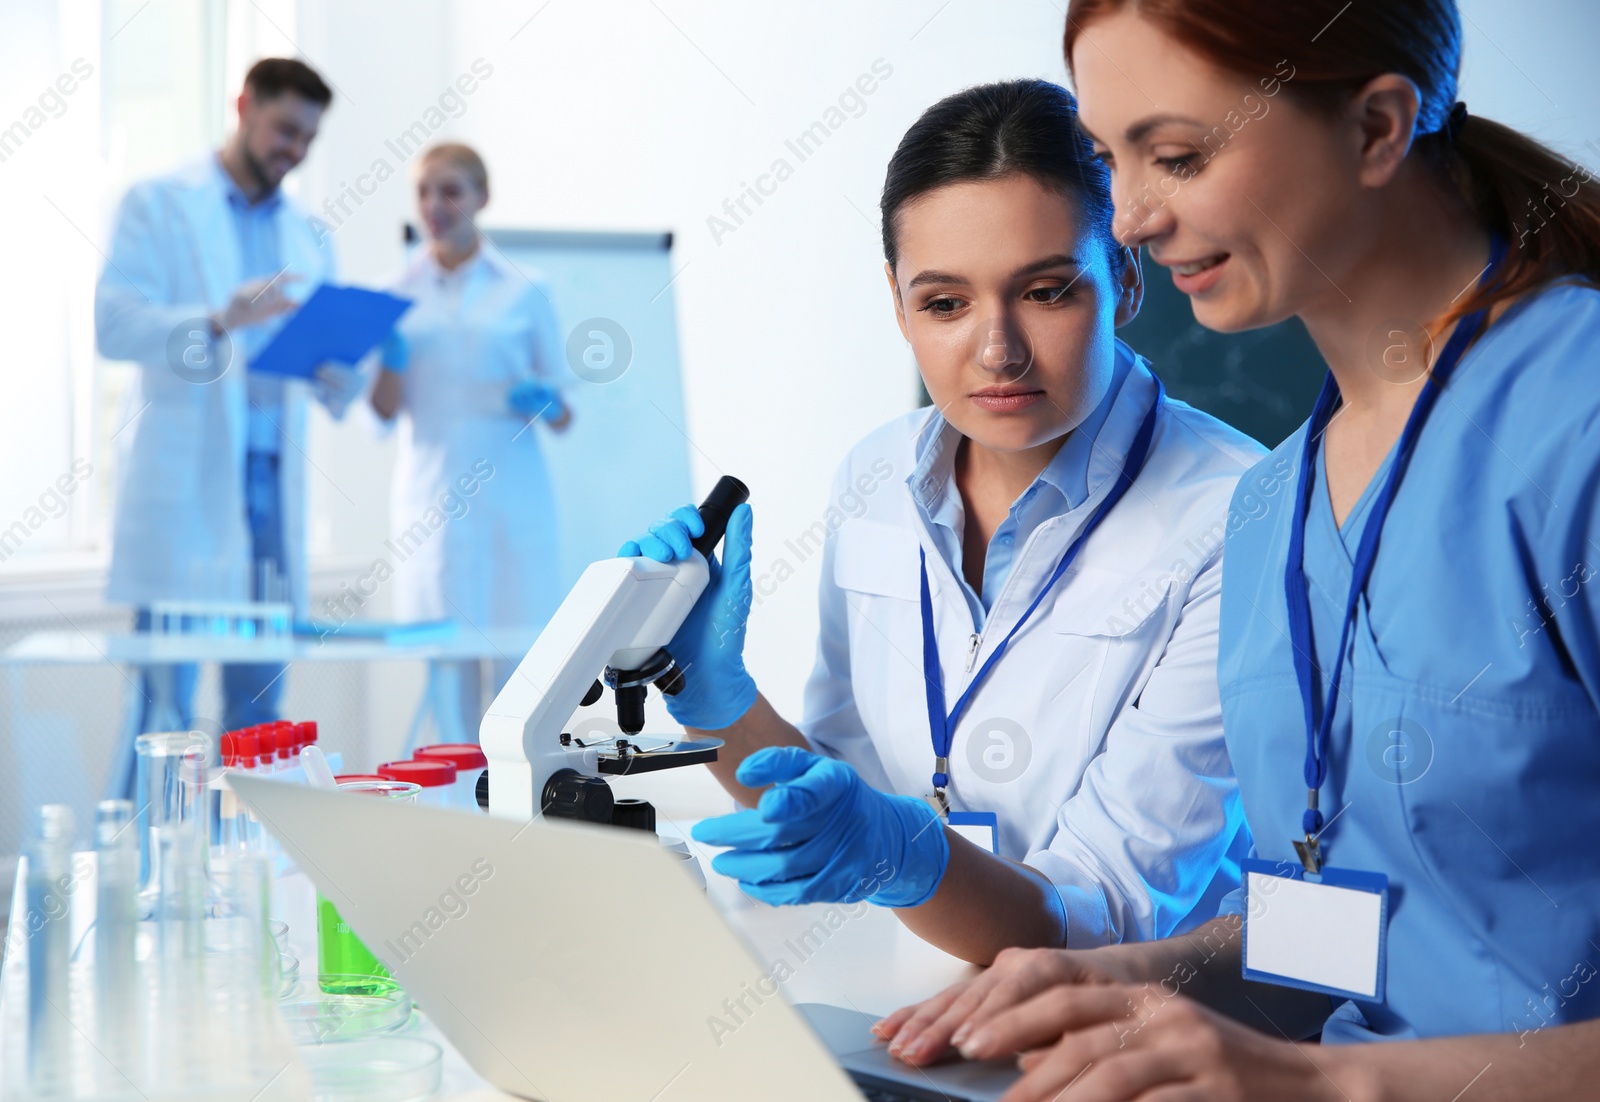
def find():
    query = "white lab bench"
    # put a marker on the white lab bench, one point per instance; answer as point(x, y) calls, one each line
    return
point(869, 962)
point(138, 651)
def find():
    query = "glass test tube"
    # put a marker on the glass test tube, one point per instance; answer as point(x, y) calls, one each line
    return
point(345, 966)
point(49, 920)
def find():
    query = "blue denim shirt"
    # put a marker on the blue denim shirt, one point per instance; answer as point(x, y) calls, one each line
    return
point(256, 227)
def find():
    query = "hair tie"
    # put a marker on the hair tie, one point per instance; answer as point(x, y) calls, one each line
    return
point(1454, 122)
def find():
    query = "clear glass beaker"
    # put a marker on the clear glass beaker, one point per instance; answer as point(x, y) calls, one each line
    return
point(345, 966)
point(174, 773)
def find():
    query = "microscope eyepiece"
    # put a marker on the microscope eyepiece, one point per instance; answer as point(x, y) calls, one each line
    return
point(715, 510)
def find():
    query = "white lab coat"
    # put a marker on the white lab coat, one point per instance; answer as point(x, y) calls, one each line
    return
point(471, 505)
point(180, 529)
point(1097, 738)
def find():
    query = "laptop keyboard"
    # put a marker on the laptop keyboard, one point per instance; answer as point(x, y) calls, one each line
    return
point(874, 1089)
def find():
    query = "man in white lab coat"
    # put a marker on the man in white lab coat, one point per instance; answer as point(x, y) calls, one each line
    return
point(204, 264)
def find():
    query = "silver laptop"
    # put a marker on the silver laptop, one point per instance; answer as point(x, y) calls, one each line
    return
point(569, 962)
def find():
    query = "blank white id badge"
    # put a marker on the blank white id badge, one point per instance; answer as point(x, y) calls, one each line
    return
point(981, 828)
point(1327, 934)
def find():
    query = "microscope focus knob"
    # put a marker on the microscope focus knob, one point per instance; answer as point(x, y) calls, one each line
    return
point(568, 794)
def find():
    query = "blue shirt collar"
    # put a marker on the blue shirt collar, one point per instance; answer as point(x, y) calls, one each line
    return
point(238, 200)
point(932, 480)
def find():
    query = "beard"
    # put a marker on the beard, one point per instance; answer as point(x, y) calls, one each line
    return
point(259, 172)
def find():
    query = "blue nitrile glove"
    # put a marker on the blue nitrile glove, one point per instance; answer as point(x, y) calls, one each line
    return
point(395, 353)
point(336, 385)
point(821, 834)
point(709, 646)
point(533, 399)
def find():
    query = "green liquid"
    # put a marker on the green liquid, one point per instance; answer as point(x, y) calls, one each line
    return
point(344, 965)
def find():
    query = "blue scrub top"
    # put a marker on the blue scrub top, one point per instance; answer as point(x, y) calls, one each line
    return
point(1465, 754)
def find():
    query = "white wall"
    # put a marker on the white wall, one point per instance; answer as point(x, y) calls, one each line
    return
point(1532, 66)
point(633, 115)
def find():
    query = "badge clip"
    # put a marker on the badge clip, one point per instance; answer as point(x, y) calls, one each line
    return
point(1310, 855)
point(941, 773)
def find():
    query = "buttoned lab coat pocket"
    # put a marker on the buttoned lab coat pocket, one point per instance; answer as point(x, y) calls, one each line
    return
point(875, 571)
point(879, 559)
point(1108, 631)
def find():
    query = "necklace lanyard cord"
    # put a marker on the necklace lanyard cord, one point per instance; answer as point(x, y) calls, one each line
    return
point(1319, 728)
point(942, 725)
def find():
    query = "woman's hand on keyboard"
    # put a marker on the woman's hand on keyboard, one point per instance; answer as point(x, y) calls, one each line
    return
point(927, 1031)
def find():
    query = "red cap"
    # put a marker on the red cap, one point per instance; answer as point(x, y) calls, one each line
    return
point(306, 733)
point(340, 778)
point(246, 745)
point(283, 739)
point(462, 755)
point(429, 774)
point(230, 756)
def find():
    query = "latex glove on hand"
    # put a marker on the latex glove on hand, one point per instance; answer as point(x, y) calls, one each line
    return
point(337, 385)
point(821, 834)
point(709, 646)
point(534, 399)
point(395, 353)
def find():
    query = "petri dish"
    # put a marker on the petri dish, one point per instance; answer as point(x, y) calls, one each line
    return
point(315, 1017)
point(288, 974)
point(386, 1069)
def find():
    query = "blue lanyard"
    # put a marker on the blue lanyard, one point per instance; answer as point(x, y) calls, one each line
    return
point(1296, 590)
point(942, 725)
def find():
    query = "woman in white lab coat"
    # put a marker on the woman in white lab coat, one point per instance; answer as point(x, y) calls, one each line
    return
point(1019, 594)
point(470, 373)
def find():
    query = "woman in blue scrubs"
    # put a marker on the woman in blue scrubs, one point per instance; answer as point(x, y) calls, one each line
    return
point(1414, 719)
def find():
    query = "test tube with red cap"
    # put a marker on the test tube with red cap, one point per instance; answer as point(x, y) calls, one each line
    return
point(266, 748)
point(237, 827)
point(297, 742)
point(283, 741)
point(437, 779)
point(305, 734)
point(470, 762)
point(261, 739)
point(248, 745)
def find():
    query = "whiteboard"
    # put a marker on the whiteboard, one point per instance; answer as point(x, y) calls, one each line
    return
point(624, 461)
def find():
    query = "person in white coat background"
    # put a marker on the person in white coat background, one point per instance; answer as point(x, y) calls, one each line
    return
point(210, 501)
point(1020, 588)
point(471, 374)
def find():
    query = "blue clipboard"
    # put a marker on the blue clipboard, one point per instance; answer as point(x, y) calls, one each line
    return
point(336, 323)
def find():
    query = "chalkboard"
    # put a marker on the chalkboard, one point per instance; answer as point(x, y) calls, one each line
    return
point(1262, 382)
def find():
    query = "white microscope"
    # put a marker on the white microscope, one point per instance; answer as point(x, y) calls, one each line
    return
point(616, 622)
